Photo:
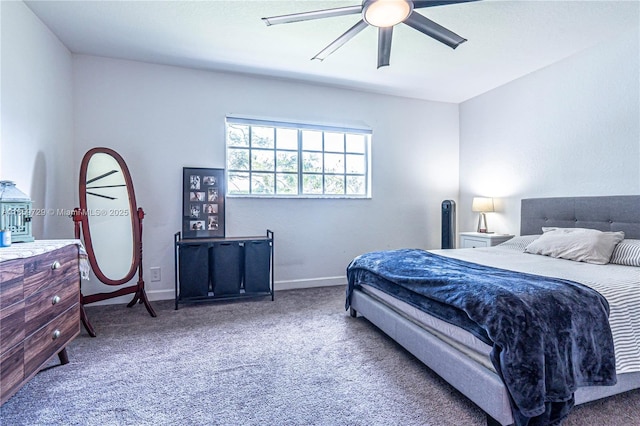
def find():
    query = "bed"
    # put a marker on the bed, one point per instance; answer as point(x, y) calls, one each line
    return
point(464, 360)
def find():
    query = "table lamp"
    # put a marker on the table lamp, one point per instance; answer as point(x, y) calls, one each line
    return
point(482, 205)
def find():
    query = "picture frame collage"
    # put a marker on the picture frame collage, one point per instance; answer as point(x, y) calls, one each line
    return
point(203, 203)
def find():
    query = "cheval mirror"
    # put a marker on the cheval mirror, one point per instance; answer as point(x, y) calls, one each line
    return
point(111, 226)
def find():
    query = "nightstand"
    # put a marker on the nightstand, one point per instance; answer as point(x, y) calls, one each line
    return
point(478, 239)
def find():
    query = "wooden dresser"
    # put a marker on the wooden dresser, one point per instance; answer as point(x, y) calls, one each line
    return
point(39, 310)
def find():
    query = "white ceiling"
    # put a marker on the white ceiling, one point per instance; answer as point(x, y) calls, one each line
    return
point(506, 40)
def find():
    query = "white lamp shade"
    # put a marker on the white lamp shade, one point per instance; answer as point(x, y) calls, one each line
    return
point(481, 204)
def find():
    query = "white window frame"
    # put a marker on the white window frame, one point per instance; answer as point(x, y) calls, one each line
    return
point(300, 127)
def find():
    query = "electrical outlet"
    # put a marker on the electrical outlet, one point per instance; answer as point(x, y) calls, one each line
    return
point(155, 273)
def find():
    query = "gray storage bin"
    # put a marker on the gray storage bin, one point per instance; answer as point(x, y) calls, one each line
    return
point(194, 270)
point(226, 271)
point(257, 259)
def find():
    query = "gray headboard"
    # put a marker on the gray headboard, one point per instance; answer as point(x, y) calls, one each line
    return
point(606, 213)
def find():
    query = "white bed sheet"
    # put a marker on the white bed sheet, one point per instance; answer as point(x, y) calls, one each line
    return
point(620, 285)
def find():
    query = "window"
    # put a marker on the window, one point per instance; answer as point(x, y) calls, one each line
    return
point(280, 159)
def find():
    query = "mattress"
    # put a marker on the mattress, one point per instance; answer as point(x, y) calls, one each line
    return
point(620, 285)
point(457, 337)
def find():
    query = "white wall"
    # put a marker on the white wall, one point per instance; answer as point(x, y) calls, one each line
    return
point(571, 129)
point(36, 149)
point(161, 119)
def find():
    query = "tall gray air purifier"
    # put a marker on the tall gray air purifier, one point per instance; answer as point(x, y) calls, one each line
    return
point(448, 224)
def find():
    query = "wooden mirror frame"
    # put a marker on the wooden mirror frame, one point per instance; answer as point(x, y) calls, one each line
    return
point(81, 225)
point(86, 229)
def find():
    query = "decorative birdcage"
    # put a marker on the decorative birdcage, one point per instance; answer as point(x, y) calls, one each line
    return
point(15, 212)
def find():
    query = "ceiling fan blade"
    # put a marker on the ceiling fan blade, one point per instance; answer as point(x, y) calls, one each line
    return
point(348, 35)
point(384, 45)
point(316, 14)
point(431, 3)
point(436, 31)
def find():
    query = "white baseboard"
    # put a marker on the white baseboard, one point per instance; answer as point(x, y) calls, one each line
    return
point(161, 294)
point(309, 283)
point(169, 294)
point(278, 285)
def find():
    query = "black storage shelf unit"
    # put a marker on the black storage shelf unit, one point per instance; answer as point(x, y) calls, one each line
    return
point(210, 269)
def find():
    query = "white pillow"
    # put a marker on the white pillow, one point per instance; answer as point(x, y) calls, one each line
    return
point(518, 243)
point(627, 252)
point(579, 244)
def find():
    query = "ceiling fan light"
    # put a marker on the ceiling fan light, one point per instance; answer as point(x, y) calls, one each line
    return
point(386, 13)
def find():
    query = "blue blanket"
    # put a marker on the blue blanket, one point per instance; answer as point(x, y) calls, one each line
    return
point(549, 336)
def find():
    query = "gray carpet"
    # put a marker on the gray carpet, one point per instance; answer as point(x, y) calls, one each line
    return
point(300, 360)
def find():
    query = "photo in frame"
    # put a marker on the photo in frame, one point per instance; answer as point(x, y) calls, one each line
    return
point(203, 193)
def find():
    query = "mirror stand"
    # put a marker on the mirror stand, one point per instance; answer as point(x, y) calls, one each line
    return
point(110, 223)
point(140, 295)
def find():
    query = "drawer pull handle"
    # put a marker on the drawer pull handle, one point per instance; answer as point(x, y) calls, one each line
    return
point(55, 335)
point(55, 299)
point(55, 265)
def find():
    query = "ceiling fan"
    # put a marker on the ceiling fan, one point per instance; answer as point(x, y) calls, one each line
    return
point(384, 14)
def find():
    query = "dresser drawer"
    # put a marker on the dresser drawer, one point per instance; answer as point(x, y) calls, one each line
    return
point(50, 302)
point(468, 242)
point(477, 239)
point(11, 326)
point(50, 339)
point(41, 271)
point(11, 371)
point(11, 282)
